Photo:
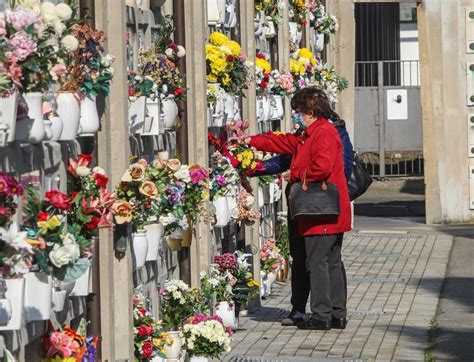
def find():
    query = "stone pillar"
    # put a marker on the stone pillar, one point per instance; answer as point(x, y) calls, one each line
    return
point(113, 153)
point(196, 35)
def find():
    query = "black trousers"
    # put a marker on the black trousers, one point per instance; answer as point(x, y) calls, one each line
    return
point(317, 269)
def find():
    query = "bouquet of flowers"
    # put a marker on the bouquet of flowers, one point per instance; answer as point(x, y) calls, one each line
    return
point(241, 154)
point(270, 257)
point(140, 86)
point(217, 285)
point(326, 79)
point(281, 83)
point(321, 21)
point(271, 8)
point(16, 254)
point(302, 67)
point(263, 69)
point(224, 179)
point(243, 211)
point(206, 336)
point(226, 64)
point(91, 202)
point(149, 338)
point(9, 190)
point(164, 43)
point(66, 344)
point(298, 11)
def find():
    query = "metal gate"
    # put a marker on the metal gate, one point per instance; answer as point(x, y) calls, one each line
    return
point(388, 123)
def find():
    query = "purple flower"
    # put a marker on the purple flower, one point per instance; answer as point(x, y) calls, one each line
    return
point(175, 195)
point(4, 189)
point(221, 180)
point(198, 174)
point(23, 46)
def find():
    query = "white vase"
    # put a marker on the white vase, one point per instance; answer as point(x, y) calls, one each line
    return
point(272, 277)
point(229, 106)
point(89, 119)
point(38, 293)
point(222, 211)
point(8, 107)
point(59, 300)
point(136, 115)
point(272, 192)
point(153, 118)
point(154, 232)
point(48, 130)
point(261, 201)
point(56, 127)
point(31, 129)
point(231, 204)
point(213, 16)
point(173, 351)
point(82, 286)
point(69, 109)
point(266, 108)
point(198, 359)
point(139, 249)
point(221, 6)
point(318, 42)
point(277, 110)
point(226, 311)
point(15, 294)
point(170, 112)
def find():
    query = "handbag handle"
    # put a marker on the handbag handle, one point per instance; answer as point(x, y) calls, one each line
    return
point(305, 186)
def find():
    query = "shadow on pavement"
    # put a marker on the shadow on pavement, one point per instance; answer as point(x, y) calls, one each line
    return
point(391, 209)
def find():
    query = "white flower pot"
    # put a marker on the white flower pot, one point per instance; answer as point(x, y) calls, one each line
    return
point(48, 130)
point(226, 311)
point(231, 204)
point(173, 351)
point(69, 110)
point(82, 286)
point(8, 107)
point(271, 277)
point(5, 311)
point(261, 201)
point(170, 112)
point(266, 108)
point(59, 300)
point(89, 119)
point(198, 359)
point(139, 249)
point(221, 6)
point(265, 287)
point(15, 294)
point(222, 211)
point(136, 115)
point(272, 192)
point(153, 119)
point(31, 129)
point(229, 106)
point(38, 293)
point(154, 232)
point(213, 16)
point(318, 42)
point(56, 127)
point(277, 110)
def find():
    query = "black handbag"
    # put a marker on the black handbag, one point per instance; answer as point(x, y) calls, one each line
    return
point(360, 179)
point(314, 201)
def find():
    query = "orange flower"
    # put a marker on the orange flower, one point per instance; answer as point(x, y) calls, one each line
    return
point(173, 164)
point(122, 212)
point(149, 189)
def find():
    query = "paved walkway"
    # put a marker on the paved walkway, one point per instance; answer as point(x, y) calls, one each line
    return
point(394, 281)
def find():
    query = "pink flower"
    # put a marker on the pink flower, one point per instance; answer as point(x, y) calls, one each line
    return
point(274, 266)
point(23, 46)
point(21, 19)
point(3, 30)
point(60, 343)
point(106, 219)
point(57, 70)
point(198, 174)
point(90, 205)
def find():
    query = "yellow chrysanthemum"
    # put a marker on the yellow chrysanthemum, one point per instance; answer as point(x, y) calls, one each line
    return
point(226, 79)
point(299, 3)
point(263, 64)
point(218, 66)
point(294, 66)
point(305, 53)
point(212, 78)
point(218, 39)
point(235, 48)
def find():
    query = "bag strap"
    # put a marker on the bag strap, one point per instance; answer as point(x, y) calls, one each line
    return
point(305, 186)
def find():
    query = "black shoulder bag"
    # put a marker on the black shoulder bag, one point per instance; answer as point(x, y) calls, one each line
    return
point(360, 179)
point(314, 201)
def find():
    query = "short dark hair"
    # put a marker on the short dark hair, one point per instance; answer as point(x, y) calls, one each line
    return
point(313, 101)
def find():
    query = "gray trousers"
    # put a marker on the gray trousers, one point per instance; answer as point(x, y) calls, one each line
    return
point(327, 285)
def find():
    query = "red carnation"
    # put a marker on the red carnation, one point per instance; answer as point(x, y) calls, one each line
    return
point(147, 350)
point(58, 200)
point(142, 311)
point(260, 56)
point(92, 225)
point(230, 58)
point(131, 91)
point(263, 85)
point(101, 180)
point(144, 331)
point(84, 159)
point(43, 216)
point(178, 91)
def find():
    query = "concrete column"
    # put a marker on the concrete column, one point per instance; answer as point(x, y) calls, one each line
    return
point(113, 153)
point(341, 53)
point(284, 60)
point(196, 35)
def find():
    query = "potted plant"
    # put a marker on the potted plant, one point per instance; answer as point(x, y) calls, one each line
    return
point(270, 261)
point(205, 337)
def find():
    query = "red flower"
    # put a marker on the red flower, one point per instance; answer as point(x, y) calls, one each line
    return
point(58, 200)
point(260, 56)
point(101, 180)
point(304, 22)
point(147, 350)
point(142, 311)
point(230, 58)
point(43, 216)
point(92, 225)
point(84, 159)
point(178, 91)
point(131, 91)
point(144, 331)
point(263, 85)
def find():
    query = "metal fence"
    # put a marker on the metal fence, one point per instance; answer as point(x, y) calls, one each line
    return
point(396, 73)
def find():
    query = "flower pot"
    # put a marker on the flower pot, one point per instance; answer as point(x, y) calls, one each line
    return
point(260, 197)
point(174, 243)
point(154, 232)
point(173, 351)
point(229, 106)
point(170, 112)
point(8, 107)
point(82, 284)
point(281, 275)
point(222, 211)
point(56, 127)
point(15, 294)
point(213, 16)
point(152, 121)
point(277, 110)
point(139, 249)
point(48, 130)
point(69, 109)
point(226, 311)
point(188, 234)
point(231, 204)
point(59, 299)
point(272, 277)
point(318, 42)
point(136, 115)
point(198, 359)
point(271, 192)
point(89, 119)
point(38, 293)
point(221, 7)
point(31, 129)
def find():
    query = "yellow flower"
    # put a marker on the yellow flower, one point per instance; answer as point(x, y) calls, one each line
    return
point(218, 66)
point(305, 53)
point(235, 48)
point(277, 132)
point(218, 39)
point(50, 224)
point(212, 78)
point(263, 64)
point(213, 88)
point(226, 79)
point(300, 3)
point(294, 66)
point(258, 7)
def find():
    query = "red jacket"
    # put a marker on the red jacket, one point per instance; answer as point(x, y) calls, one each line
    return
point(318, 150)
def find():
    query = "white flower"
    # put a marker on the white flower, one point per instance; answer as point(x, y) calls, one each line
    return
point(60, 255)
point(69, 239)
point(48, 12)
point(59, 27)
point(63, 11)
point(74, 251)
point(181, 51)
point(83, 171)
point(99, 170)
point(15, 238)
point(169, 53)
point(70, 43)
point(183, 174)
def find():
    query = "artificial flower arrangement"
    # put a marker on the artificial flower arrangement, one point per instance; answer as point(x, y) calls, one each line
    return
point(164, 43)
point(205, 336)
point(149, 338)
point(283, 241)
point(224, 179)
point(217, 285)
point(302, 66)
point(281, 83)
point(140, 86)
point(66, 344)
point(243, 212)
point(321, 21)
point(271, 8)
point(238, 149)
point(298, 11)
point(16, 254)
point(270, 257)
point(326, 79)
point(226, 64)
point(10, 189)
point(263, 68)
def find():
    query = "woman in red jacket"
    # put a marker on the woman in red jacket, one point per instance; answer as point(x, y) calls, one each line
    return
point(318, 153)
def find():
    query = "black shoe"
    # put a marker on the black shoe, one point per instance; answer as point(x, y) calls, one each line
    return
point(315, 324)
point(339, 323)
point(291, 321)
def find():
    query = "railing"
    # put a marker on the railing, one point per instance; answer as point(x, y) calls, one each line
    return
point(396, 73)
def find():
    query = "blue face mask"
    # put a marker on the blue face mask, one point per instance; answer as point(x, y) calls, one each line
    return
point(298, 119)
